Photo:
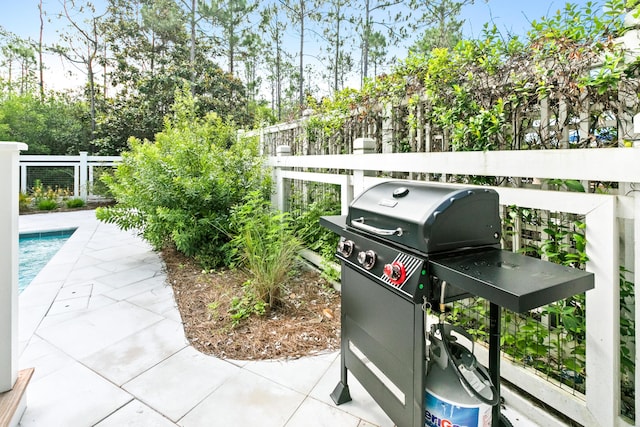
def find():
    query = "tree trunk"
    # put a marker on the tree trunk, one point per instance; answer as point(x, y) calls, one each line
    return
point(192, 52)
point(232, 53)
point(104, 74)
point(337, 56)
point(365, 44)
point(302, 13)
point(153, 53)
point(92, 93)
point(41, 65)
point(278, 83)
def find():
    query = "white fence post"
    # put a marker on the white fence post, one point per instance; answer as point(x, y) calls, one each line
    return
point(90, 184)
point(282, 191)
point(83, 175)
point(23, 178)
point(361, 146)
point(387, 129)
point(9, 166)
point(603, 315)
point(76, 180)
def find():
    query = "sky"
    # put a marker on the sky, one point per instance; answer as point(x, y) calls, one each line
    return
point(510, 16)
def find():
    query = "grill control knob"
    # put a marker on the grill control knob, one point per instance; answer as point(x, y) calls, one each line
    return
point(345, 247)
point(396, 272)
point(367, 259)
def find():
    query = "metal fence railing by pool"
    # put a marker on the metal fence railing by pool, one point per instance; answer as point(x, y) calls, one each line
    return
point(76, 175)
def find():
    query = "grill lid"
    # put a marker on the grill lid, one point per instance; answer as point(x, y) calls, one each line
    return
point(428, 217)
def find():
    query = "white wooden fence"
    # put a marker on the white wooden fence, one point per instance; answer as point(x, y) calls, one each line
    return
point(612, 234)
point(83, 169)
point(611, 242)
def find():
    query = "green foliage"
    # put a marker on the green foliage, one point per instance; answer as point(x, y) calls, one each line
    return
point(627, 326)
point(47, 198)
point(140, 113)
point(627, 343)
point(75, 203)
point(150, 55)
point(180, 189)
point(479, 131)
point(47, 204)
point(56, 125)
point(24, 201)
point(246, 305)
point(484, 94)
point(469, 315)
point(565, 244)
point(232, 18)
point(568, 184)
point(331, 116)
point(307, 224)
point(329, 272)
point(315, 237)
point(265, 244)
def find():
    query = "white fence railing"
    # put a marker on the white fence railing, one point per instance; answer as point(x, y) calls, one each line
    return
point(82, 165)
point(611, 243)
point(612, 233)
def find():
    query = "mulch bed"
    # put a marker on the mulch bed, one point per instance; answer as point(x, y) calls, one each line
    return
point(306, 322)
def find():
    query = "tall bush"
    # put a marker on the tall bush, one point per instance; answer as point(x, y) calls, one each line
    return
point(180, 189)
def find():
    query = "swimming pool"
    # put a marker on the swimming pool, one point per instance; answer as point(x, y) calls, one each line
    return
point(35, 251)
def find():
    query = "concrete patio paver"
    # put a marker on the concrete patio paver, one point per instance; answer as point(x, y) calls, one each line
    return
point(139, 352)
point(181, 382)
point(100, 325)
point(72, 396)
point(246, 399)
point(136, 414)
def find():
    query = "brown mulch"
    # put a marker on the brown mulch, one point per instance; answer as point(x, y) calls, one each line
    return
point(306, 322)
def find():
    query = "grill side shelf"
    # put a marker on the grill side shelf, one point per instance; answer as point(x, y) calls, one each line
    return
point(513, 281)
point(335, 223)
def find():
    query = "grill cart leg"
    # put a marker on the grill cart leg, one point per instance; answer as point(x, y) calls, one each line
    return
point(341, 393)
point(494, 358)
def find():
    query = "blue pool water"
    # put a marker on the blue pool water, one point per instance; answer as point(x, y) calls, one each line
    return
point(35, 251)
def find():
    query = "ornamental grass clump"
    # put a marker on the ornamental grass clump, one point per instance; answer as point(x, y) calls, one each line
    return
point(264, 243)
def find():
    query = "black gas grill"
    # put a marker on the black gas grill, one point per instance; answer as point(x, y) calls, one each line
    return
point(404, 245)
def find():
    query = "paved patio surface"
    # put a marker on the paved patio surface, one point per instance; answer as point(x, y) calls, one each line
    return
point(100, 326)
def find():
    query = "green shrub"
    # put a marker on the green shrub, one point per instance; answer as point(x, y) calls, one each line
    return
point(308, 228)
point(75, 203)
point(180, 189)
point(264, 243)
point(318, 238)
point(24, 201)
point(627, 326)
point(47, 204)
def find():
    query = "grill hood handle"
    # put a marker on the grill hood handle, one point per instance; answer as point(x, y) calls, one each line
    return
point(359, 223)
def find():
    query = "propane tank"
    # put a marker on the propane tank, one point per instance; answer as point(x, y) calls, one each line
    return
point(458, 391)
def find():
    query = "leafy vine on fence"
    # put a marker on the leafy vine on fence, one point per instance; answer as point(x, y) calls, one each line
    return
point(490, 93)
